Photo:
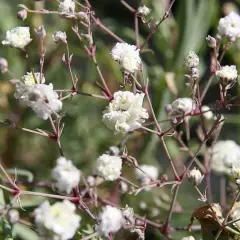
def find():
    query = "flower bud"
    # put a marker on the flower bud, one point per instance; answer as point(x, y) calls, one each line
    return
point(191, 60)
point(22, 14)
point(60, 37)
point(3, 65)
point(128, 214)
point(82, 16)
point(182, 106)
point(41, 32)
point(13, 216)
point(195, 176)
point(227, 75)
point(194, 73)
point(212, 43)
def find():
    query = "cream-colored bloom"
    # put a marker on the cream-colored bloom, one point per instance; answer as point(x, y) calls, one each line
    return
point(229, 26)
point(18, 37)
point(111, 220)
point(58, 222)
point(207, 113)
point(227, 75)
point(31, 80)
point(195, 176)
point(143, 10)
point(109, 167)
point(67, 176)
point(191, 60)
point(127, 56)
point(60, 37)
point(67, 6)
point(125, 113)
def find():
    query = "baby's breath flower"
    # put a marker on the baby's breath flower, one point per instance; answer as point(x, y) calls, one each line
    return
point(111, 220)
point(229, 26)
point(212, 43)
point(207, 113)
point(127, 56)
point(125, 113)
point(195, 176)
point(128, 214)
point(151, 171)
point(14, 216)
point(191, 60)
point(58, 221)
point(109, 167)
point(223, 155)
point(143, 10)
point(22, 14)
point(33, 78)
point(60, 37)
point(227, 75)
point(18, 37)
point(40, 97)
point(182, 106)
point(67, 6)
point(3, 65)
point(67, 176)
point(41, 32)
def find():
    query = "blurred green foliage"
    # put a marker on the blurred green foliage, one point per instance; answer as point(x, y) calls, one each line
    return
point(85, 137)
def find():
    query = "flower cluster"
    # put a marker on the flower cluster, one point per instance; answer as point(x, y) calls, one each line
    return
point(125, 113)
point(111, 220)
point(227, 75)
point(59, 221)
point(18, 37)
point(67, 6)
point(40, 97)
point(195, 176)
point(143, 10)
point(127, 56)
point(67, 176)
point(109, 167)
point(229, 26)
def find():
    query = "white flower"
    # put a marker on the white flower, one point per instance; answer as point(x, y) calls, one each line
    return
point(14, 216)
point(191, 60)
point(67, 6)
point(29, 79)
point(18, 37)
point(235, 171)
point(188, 238)
point(128, 214)
point(182, 106)
point(67, 176)
point(195, 176)
point(3, 65)
point(109, 167)
point(128, 57)
point(212, 42)
point(125, 113)
point(207, 113)
point(40, 97)
point(227, 75)
point(223, 155)
point(57, 222)
point(111, 220)
point(150, 171)
point(143, 10)
point(60, 37)
point(229, 26)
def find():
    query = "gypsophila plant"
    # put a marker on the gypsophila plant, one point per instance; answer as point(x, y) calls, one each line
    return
point(161, 140)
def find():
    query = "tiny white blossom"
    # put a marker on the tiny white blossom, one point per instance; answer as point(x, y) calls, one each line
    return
point(229, 26)
point(207, 113)
point(40, 97)
point(3, 65)
point(67, 6)
point(191, 60)
point(111, 220)
point(127, 56)
point(212, 42)
point(150, 171)
point(188, 238)
point(223, 155)
point(67, 176)
point(227, 75)
point(195, 176)
point(60, 37)
point(125, 113)
point(143, 10)
point(18, 37)
point(182, 106)
point(22, 14)
point(128, 214)
point(109, 167)
point(29, 79)
point(58, 222)
point(14, 216)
